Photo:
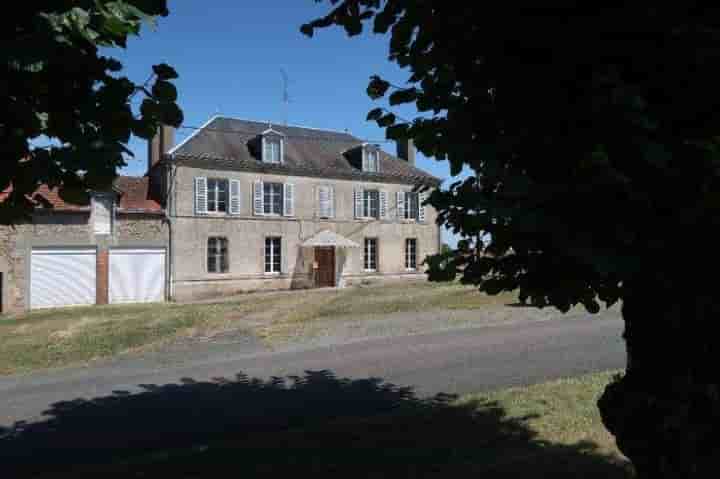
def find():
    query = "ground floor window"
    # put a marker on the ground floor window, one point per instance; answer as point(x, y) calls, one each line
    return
point(371, 254)
point(273, 254)
point(217, 255)
point(411, 253)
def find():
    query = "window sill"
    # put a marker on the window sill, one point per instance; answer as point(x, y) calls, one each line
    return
point(370, 271)
point(273, 274)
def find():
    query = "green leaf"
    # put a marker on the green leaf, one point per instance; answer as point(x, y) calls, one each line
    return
point(377, 87)
point(398, 97)
point(386, 120)
point(164, 92)
point(164, 72)
point(171, 114)
point(375, 114)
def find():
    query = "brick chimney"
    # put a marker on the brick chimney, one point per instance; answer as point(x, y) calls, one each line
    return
point(406, 150)
point(161, 143)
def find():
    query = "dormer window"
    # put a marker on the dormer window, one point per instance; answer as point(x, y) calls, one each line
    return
point(371, 160)
point(272, 147)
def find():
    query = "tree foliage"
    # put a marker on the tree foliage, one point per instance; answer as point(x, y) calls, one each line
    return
point(593, 136)
point(592, 131)
point(68, 108)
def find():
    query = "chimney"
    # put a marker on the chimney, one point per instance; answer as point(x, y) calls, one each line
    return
point(161, 143)
point(406, 150)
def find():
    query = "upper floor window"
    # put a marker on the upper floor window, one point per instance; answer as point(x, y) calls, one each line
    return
point(273, 198)
point(371, 204)
point(272, 147)
point(326, 201)
point(217, 255)
point(217, 195)
point(409, 205)
point(371, 161)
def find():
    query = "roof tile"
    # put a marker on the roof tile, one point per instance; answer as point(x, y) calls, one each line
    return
point(231, 144)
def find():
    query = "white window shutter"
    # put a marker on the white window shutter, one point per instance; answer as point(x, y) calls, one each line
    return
point(289, 207)
point(201, 195)
point(364, 160)
point(234, 197)
point(358, 203)
point(383, 204)
point(421, 208)
point(324, 201)
point(331, 202)
point(401, 205)
point(258, 209)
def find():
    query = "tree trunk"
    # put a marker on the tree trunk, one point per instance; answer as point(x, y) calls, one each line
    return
point(665, 410)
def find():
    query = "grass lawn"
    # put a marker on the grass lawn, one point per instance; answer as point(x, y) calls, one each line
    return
point(323, 426)
point(53, 338)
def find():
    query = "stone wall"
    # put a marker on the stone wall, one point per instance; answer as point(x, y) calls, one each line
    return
point(66, 229)
point(246, 237)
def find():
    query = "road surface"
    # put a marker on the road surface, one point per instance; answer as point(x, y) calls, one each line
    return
point(454, 361)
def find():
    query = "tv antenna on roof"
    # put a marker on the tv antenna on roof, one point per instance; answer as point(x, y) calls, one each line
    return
point(286, 95)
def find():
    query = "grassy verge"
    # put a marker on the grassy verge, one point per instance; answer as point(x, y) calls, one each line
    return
point(322, 426)
point(55, 338)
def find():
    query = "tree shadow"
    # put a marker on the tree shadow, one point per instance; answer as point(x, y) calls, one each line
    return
point(316, 425)
point(519, 304)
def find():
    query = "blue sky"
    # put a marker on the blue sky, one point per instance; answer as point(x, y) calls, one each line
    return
point(229, 55)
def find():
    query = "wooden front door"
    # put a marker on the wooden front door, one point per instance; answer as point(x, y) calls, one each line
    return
point(325, 273)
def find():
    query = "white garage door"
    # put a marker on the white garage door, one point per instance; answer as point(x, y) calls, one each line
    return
point(62, 277)
point(137, 275)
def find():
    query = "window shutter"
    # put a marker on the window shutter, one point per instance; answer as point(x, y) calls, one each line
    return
point(234, 197)
point(289, 207)
point(383, 204)
point(421, 208)
point(401, 205)
point(201, 195)
point(358, 203)
point(284, 263)
point(324, 201)
point(331, 202)
point(364, 160)
point(258, 198)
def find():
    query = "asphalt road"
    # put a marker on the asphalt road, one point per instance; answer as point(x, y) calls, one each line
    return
point(455, 361)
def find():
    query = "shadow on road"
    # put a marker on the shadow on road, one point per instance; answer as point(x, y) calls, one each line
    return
point(316, 425)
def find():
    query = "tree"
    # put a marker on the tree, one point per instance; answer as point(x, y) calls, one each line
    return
point(68, 110)
point(594, 135)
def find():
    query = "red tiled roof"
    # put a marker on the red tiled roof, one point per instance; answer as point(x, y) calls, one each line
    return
point(134, 197)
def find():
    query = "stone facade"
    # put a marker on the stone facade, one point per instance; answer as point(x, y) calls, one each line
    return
point(246, 235)
point(60, 229)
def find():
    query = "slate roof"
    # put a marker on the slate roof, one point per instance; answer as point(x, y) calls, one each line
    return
point(230, 144)
point(134, 197)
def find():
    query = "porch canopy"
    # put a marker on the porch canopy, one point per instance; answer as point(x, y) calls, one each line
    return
point(328, 238)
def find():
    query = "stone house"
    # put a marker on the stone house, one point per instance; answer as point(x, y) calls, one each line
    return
point(237, 206)
point(254, 206)
point(108, 247)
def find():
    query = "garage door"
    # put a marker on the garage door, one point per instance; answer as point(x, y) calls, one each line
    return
point(137, 275)
point(62, 277)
